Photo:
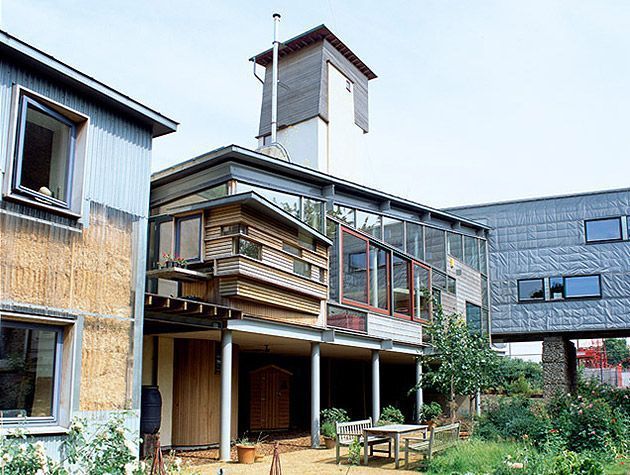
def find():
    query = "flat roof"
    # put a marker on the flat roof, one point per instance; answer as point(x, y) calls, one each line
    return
point(196, 164)
point(310, 37)
point(10, 45)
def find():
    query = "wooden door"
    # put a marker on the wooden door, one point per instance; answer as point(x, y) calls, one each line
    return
point(270, 395)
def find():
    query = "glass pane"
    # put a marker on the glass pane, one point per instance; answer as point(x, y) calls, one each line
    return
point(532, 289)
point(369, 223)
point(451, 285)
point(354, 256)
point(46, 144)
point(189, 238)
point(435, 247)
point(333, 272)
point(603, 230)
point(343, 214)
point(415, 240)
point(345, 318)
point(484, 292)
point(455, 246)
point(302, 268)
point(483, 263)
point(582, 286)
point(249, 248)
point(200, 197)
point(393, 232)
point(27, 375)
point(402, 293)
point(473, 317)
point(287, 202)
point(165, 245)
point(471, 252)
point(421, 292)
point(438, 280)
point(379, 281)
point(296, 251)
point(556, 288)
point(313, 213)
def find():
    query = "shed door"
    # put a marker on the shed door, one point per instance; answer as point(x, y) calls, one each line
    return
point(270, 397)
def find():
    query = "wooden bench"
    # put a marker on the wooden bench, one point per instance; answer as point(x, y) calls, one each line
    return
point(440, 438)
point(348, 431)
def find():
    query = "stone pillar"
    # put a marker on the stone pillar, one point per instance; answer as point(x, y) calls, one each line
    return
point(559, 366)
point(376, 386)
point(315, 393)
point(419, 392)
point(226, 396)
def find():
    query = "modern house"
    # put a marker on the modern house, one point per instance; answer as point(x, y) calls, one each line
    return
point(299, 289)
point(75, 170)
point(559, 271)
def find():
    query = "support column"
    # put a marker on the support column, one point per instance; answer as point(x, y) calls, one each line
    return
point(226, 396)
point(419, 392)
point(376, 386)
point(559, 366)
point(315, 393)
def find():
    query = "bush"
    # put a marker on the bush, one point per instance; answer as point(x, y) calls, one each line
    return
point(354, 452)
point(333, 415)
point(514, 419)
point(617, 398)
point(391, 415)
point(430, 411)
point(328, 430)
point(510, 370)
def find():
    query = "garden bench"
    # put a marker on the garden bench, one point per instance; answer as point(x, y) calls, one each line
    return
point(348, 431)
point(440, 438)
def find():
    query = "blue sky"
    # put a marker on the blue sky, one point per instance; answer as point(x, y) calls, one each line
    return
point(476, 100)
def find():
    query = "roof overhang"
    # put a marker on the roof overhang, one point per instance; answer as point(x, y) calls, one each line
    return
point(52, 67)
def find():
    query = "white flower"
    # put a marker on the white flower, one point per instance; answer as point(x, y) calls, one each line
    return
point(130, 468)
point(23, 448)
point(120, 430)
point(131, 446)
point(40, 472)
point(77, 426)
point(178, 462)
point(7, 457)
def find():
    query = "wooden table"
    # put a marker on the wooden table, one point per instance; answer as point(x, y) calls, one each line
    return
point(392, 431)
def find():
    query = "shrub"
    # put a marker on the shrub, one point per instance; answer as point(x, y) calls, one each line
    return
point(509, 370)
point(354, 452)
point(333, 415)
point(513, 419)
point(328, 430)
point(430, 411)
point(391, 415)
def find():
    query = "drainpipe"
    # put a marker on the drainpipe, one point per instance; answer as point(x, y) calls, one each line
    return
point(274, 78)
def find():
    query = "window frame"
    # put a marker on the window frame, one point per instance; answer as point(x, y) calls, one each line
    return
point(602, 241)
point(581, 297)
point(480, 309)
point(177, 236)
point(236, 243)
point(529, 279)
point(429, 287)
point(409, 287)
point(54, 419)
point(309, 274)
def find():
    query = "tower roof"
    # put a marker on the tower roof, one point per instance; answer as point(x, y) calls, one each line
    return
point(312, 36)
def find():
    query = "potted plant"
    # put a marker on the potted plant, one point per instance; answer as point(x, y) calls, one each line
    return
point(329, 433)
point(169, 261)
point(245, 450)
point(430, 412)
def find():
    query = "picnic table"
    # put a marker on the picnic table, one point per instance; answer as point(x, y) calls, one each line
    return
point(393, 432)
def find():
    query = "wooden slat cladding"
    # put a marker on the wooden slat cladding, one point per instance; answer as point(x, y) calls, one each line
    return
point(257, 309)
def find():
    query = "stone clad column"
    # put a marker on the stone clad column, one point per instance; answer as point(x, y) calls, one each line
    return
point(419, 393)
point(559, 364)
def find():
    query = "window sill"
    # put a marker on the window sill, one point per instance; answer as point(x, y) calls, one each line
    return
point(35, 429)
point(44, 206)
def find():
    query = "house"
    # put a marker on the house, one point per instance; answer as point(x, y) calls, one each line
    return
point(278, 286)
point(559, 272)
point(74, 169)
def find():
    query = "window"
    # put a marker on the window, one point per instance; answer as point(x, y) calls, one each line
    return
point(473, 317)
point(245, 247)
point(202, 196)
point(354, 259)
point(435, 247)
point(306, 242)
point(531, 289)
point(322, 274)
point(401, 278)
point(188, 237)
point(393, 232)
point(602, 230)
point(233, 229)
point(44, 161)
point(379, 277)
point(296, 251)
point(341, 317)
point(369, 223)
point(165, 240)
point(30, 363)
point(451, 285)
point(313, 213)
point(556, 288)
point(421, 292)
point(455, 246)
point(584, 286)
point(343, 214)
point(302, 268)
point(287, 202)
point(438, 280)
point(415, 240)
point(471, 252)
point(483, 259)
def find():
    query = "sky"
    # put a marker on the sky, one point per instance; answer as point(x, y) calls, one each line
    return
point(476, 101)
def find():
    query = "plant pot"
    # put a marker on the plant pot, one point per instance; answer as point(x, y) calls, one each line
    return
point(430, 424)
point(246, 453)
point(330, 442)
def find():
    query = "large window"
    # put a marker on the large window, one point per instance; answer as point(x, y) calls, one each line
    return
point(471, 252)
point(474, 317)
point(393, 232)
point(583, 286)
point(165, 240)
point(201, 196)
point(379, 278)
point(302, 268)
point(188, 237)
point(600, 230)
point(483, 256)
point(369, 223)
point(421, 292)
point(401, 278)
point(343, 214)
point(415, 240)
point(30, 362)
point(531, 289)
point(435, 247)
point(341, 317)
point(45, 153)
point(354, 258)
point(455, 246)
point(313, 213)
point(245, 247)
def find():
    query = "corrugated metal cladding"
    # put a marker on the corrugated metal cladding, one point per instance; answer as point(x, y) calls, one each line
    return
point(545, 238)
point(119, 150)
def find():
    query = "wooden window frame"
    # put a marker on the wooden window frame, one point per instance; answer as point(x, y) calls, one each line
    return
point(410, 288)
point(177, 233)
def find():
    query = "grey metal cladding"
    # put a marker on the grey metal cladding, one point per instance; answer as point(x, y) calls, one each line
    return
point(303, 90)
point(545, 238)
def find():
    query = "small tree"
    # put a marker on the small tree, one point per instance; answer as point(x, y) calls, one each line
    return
point(461, 362)
point(617, 351)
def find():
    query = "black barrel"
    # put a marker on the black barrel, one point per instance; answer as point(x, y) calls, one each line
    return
point(151, 410)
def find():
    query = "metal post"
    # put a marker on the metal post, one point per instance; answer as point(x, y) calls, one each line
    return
point(419, 393)
point(226, 395)
point(315, 394)
point(274, 78)
point(376, 386)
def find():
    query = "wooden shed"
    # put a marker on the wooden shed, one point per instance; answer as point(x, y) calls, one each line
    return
point(270, 396)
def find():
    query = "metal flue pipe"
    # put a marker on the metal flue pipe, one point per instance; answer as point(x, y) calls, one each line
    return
point(274, 78)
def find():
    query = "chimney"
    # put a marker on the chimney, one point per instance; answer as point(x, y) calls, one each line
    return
point(321, 91)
